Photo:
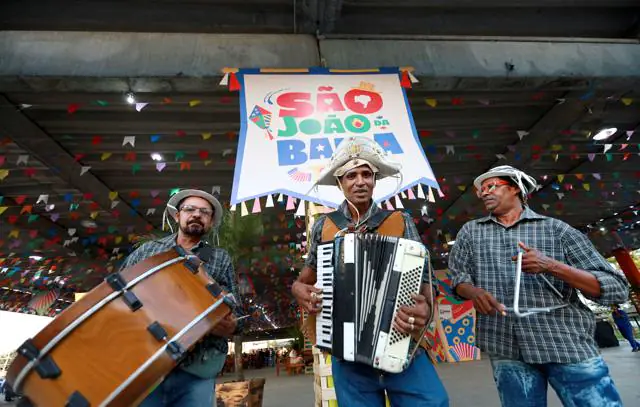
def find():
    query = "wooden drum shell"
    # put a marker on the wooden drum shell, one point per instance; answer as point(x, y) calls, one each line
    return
point(103, 351)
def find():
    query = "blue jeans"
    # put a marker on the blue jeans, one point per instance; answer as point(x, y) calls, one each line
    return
point(359, 385)
point(583, 384)
point(180, 389)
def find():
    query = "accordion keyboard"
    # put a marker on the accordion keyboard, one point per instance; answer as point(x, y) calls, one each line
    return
point(324, 281)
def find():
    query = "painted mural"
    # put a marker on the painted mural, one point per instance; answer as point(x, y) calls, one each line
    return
point(452, 336)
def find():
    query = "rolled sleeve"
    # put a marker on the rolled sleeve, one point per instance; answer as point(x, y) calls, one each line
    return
point(582, 254)
point(314, 240)
point(461, 260)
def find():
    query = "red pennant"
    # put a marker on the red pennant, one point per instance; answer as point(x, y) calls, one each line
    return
point(12, 219)
point(74, 215)
point(33, 234)
point(156, 201)
point(457, 101)
point(626, 156)
point(234, 84)
point(134, 194)
point(130, 156)
point(87, 196)
point(203, 154)
point(535, 156)
point(29, 172)
point(538, 96)
point(425, 133)
point(185, 165)
point(166, 101)
point(181, 133)
point(96, 140)
point(149, 228)
point(72, 108)
point(20, 199)
point(230, 135)
point(405, 81)
point(94, 206)
point(79, 157)
point(225, 100)
point(115, 213)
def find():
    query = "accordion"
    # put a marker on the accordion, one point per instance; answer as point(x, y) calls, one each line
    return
point(365, 279)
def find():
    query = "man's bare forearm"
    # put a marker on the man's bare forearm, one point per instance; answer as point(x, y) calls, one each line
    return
point(307, 276)
point(466, 290)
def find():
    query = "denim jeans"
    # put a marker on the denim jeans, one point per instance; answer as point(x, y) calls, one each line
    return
point(583, 384)
point(359, 385)
point(181, 389)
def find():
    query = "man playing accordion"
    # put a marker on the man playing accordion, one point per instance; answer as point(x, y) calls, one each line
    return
point(354, 168)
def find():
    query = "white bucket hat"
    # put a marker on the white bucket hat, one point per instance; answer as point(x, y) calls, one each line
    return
point(526, 183)
point(355, 151)
point(174, 201)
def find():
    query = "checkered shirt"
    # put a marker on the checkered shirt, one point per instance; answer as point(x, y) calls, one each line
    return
point(219, 267)
point(482, 256)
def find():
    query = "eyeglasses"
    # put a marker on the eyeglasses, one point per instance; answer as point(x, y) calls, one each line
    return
point(190, 210)
point(490, 187)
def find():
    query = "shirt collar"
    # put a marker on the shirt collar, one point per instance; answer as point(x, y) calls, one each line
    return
point(171, 240)
point(373, 209)
point(527, 214)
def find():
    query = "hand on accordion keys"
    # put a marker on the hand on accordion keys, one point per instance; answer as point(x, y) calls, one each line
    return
point(411, 320)
point(308, 296)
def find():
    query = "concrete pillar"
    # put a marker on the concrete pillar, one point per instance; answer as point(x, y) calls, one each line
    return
point(629, 268)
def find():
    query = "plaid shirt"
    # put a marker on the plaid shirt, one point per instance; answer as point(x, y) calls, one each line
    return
point(482, 256)
point(219, 267)
point(410, 232)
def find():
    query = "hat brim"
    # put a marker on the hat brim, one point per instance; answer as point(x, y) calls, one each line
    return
point(384, 169)
point(172, 205)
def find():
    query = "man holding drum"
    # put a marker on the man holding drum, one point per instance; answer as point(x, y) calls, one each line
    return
point(552, 340)
point(354, 168)
point(197, 215)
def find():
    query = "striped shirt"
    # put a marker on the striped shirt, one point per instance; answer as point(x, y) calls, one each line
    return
point(482, 256)
point(219, 267)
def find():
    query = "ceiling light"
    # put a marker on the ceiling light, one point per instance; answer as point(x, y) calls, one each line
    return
point(605, 133)
point(451, 242)
point(36, 258)
point(156, 157)
point(131, 98)
point(89, 224)
point(602, 229)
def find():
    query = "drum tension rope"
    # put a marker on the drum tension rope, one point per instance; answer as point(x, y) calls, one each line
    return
point(117, 283)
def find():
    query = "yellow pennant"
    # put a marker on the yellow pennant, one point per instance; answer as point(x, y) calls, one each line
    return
point(194, 102)
point(118, 239)
point(206, 136)
point(627, 101)
point(2, 209)
point(431, 102)
point(587, 187)
point(113, 195)
point(560, 177)
point(4, 174)
point(14, 233)
point(105, 156)
point(207, 162)
point(94, 215)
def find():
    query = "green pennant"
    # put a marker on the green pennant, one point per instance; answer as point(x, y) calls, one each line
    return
point(33, 218)
point(135, 168)
point(179, 155)
point(609, 156)
point(475, 134)
point(102, 103)
point(174, 191)
point(112, 229)
point(616, 174)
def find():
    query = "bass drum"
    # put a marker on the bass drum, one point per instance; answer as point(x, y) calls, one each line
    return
point(113, 346)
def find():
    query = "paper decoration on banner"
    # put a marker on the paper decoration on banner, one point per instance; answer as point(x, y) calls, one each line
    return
point(420, 192)
point(410, 194)
point(232, 208)
point(243, 209)
point(389, 206)
point(290, 204)
point(301, 209)
point(430, 197)
point(289, 143)
point(256, 206)
point(398, 203)
point(269, 201)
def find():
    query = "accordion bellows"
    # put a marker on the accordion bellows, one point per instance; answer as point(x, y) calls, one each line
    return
point(365, 279)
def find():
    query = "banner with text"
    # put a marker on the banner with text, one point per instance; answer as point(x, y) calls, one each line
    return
point(292, 123)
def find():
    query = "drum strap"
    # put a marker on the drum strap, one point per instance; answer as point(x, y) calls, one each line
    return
point(388, 223)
